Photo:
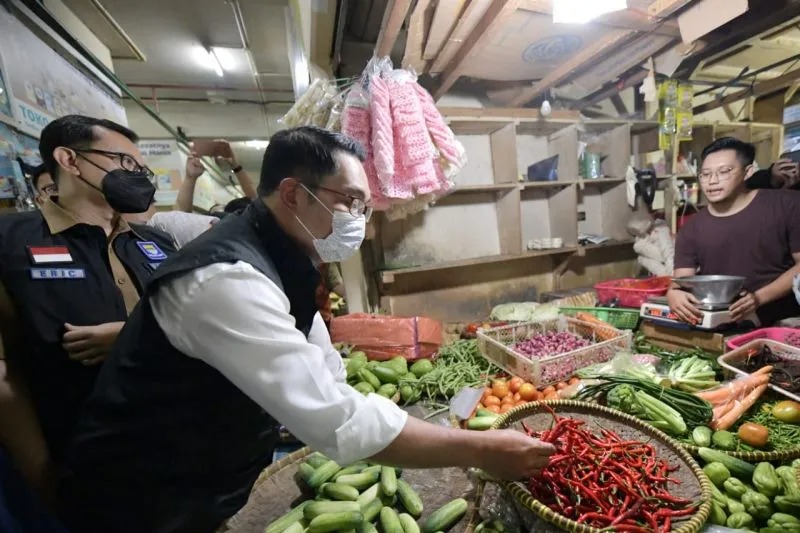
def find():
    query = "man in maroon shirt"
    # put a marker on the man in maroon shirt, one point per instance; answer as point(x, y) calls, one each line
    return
point(742, 232)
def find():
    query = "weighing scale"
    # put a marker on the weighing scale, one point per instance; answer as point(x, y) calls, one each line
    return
point(714, 316)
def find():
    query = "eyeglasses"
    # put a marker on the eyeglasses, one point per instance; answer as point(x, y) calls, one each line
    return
point(357, 207)
point(125, 161)
point(722, 174)
point(50, 190)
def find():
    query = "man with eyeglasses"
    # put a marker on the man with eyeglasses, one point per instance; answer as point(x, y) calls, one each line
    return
point(226, 341)
point(742, 232)
point(70, 273)
point(43, 184)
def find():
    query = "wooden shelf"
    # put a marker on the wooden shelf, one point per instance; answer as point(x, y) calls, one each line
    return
point(609, 244)
point(388, 276)
point(601, 181)
point(547, 184)
point(481, 187)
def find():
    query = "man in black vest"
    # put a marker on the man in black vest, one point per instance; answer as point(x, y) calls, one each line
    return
point(226, 341)
point(69, 276)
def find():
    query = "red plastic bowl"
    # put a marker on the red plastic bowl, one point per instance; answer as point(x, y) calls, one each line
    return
point(631, 292)
point(773, 334)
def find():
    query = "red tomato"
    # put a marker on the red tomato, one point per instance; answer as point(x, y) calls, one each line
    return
point(527, 392)
point(500, 388)
point(515, 384)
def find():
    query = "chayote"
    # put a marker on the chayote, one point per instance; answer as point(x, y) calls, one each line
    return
point(766, 480)
point(757, 505)
point(734, 488)
point(717, 472)
point(740, 521)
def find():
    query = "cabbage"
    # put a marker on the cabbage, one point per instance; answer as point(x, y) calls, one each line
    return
point(524, 312)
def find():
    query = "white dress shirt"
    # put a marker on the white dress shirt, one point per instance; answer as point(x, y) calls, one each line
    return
point(237, 320)
point(183, 227)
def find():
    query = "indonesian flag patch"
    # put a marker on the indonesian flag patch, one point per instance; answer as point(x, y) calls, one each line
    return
point(45, 255)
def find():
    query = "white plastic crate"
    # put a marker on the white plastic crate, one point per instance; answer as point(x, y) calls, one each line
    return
point(496, 345)
point(784, 351)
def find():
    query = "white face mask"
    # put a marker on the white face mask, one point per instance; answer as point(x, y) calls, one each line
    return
point(345, 239)
point(796, 287)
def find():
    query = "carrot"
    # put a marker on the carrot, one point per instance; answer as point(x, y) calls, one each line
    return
point(722, 409)
point(730, 418)
point(601, 328)
point(735, 388)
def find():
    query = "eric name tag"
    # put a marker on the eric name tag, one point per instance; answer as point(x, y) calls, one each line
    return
point(58, 273)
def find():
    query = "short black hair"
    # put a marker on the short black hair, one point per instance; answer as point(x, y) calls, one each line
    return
point(36, 174)
point(74, 131)
point(745, 152)
point(306, 153)
point(237, 204)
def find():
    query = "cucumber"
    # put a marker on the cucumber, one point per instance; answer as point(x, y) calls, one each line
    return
point(315, 509)
point(366, 527)
point(335, 522)
point(340, 492)
point(355, 468)
point(305, 471)
point(323, 474)
point(316, 460)
point(361, 480)
point(388, 480)
point(386, 375)
point(372, 510)
point(446, 516)
point(737, 467)
point(484, 412)
point(701, 435)
point(369, 495)
point(297, 527)
point(280, 525)
point(724, 440)
point(367, 375)
point(390, 522)
point(409, 498)
point(408, 523)
point(482, 423)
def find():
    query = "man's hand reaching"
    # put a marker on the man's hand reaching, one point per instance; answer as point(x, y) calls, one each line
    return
point(784, 174)
point(90, 344)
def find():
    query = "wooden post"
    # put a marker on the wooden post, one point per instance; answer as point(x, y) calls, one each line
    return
point(393, 18)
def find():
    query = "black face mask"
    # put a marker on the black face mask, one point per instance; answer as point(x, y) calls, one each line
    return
point(128, 192)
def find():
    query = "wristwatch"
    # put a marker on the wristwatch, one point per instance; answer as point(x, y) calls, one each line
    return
point(236, 169)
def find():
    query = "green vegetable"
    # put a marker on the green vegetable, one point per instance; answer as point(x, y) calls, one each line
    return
point(297, 527)
point(738, 468)
point(719, 497)
point(640, 404)
point(421, 367)
point(390, 522)
point(408, 393)
point(362, 480)
point(364, 388)
point(701, 435)
point(740, 521)
point(692, 374)
point(790, 483)
point(784, 522)
point(354, 365)
point(718, 473)
point(369, 495)
point(388, 390)
point(337, 491)
point(766, 480)
point(409, 524)
point(317, 508)
point(354, 468)
point(445, 517)
point(280, 525)
point(724, 440)
point(458, 365)
point(388, 481)
point(735, 506)
point(409, 498)
point(694, 411)
point(358, 355)
point(398, 364)
point(367, 375)
point(782, 436)
point(366, 527)
point(305, 471)
point(718, 515)
point(481, 423)
point(322, 474)
point(372, 509)
point(386, 375)
point(325, 523)
point(788, 504)
point(316, 459)
point(787, 411)
point(734, 488)
point(757, 505)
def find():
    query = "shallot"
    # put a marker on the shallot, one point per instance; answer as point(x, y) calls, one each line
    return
point(551, 343)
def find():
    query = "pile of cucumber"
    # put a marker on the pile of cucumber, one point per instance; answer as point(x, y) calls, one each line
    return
point(391, 379)
point(359, 497)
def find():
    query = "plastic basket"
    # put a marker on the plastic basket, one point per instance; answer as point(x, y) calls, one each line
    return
point(619, 318)
point(773, 334)
point(728, 361)
point(496, 345)
point(631, 292)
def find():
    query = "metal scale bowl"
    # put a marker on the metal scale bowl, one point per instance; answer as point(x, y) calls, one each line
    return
point(715, 293)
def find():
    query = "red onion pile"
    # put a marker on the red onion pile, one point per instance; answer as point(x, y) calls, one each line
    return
point(551, 343)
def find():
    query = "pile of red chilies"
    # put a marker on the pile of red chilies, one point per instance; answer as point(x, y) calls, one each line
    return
point(607, 482)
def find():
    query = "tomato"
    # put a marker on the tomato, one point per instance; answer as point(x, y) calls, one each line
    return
point(507, 400)
point(486, 393)
point(537, 396)
point(493, 408)
point(562, 385)
point(491, 400)
point(527, 392)
point(754, 435)
point(787, 411)
point(575, 380)
point(521, 402)
point(517, 397)
point(515, 384)
point(548, 390)
point(500, 388)
point(551, 396)
point(506, 408)
point(472, 329)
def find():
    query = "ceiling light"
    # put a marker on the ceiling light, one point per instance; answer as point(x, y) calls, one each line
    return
point(581, 11)
point(226, 57)
point(213, 62)
point(257, 144)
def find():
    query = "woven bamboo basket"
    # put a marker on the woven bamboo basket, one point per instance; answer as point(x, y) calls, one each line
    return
point(694, 484)
point(752, 457)
point(275, 492)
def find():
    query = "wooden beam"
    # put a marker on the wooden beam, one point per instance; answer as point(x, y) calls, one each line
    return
point(469, 20)
point(619, 105)
point(495, 17)
point(588, 54)
point(504, 113)
point(759, 89)
point(790, 92)
point(613, 88)
point(729, 112)
point(418, 26)
point(393, 17)
point(665, 8)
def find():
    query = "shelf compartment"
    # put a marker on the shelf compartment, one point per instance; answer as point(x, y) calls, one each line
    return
point(549, 213)
point(607, 211)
